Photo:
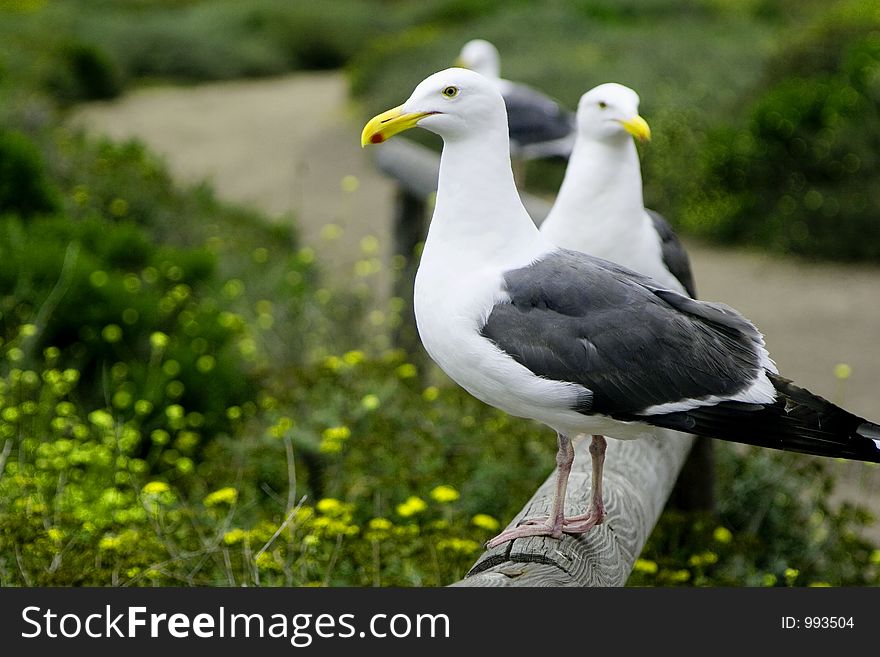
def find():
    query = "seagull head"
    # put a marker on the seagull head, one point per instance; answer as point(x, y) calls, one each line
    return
point(455, 103)
point(481, 56)
point(610, 110)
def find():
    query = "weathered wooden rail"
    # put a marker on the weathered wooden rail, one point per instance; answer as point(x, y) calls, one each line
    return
point(639, 475)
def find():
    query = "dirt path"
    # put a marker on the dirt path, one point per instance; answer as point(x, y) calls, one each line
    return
point(285, 145)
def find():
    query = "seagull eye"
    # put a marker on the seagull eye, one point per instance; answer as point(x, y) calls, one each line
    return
point(450, 91)
point(602, 104)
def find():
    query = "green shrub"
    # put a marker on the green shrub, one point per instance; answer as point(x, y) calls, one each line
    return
point(774, 527)
point(84, 72)
point(802, 175)
point(24, 185)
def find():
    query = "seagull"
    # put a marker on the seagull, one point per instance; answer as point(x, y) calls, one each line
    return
point(538, 126)
point(600, 208)
point(579, 343)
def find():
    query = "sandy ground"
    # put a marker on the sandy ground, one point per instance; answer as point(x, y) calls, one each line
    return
point(286, 145)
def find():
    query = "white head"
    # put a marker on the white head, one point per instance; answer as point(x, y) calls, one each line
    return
point(454, 103)
point(610, 111)
point(481, 56)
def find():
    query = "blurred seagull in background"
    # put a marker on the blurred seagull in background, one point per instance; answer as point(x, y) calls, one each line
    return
point(600, 208)
point(579, 343)
point(539, 126)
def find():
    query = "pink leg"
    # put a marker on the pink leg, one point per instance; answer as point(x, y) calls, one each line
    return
point(552, 525)
point(557, 524)
point(581, 523)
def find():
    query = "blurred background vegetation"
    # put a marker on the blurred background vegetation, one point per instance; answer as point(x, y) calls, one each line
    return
point(185, 400)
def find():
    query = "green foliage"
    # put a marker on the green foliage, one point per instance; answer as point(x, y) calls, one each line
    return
point(24, 185)
point(801, 175)
point(81, 49)
point(84, 72)
point(774, 527)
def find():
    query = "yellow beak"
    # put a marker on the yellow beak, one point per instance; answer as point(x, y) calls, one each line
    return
point(387, 124)
point(638, 128)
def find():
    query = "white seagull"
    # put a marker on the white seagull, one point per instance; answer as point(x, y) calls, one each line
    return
point(576, 342)
point(600, 208)
point(538, 126)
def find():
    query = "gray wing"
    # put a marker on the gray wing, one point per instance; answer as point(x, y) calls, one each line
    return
point(534, 118)
point(674, 255)
point(576, 318)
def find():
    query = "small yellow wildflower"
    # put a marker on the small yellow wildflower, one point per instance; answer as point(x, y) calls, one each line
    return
point(485, 521)
point(412, 506)
point(380, 524)
point(336, 433)
point(158, 340)
point(370, 402)
point(155, 488)
point(101, 419)
point(349, 183)
point(430, 393)
point(354, 357)
point(406, 371)
point(227, 495)
point(444, 494)
point(234, 536)
point(722, 535)
point(842, 371)
point(329, 506)
point(645, 566)
point(463, 545)
point(331, 232)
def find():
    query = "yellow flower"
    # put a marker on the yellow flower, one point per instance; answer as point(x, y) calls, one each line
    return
point(353, 357)
point(406, 371)
point(370, 402)
point(234, 536)
point(380, 524)
point(487, 522)
point(329, 506)
point(349, 183)
point(444, 494)
point(158, 340)
point(645, 566)
point(412, 506)
point(101, 419)
point(464, 545)
point(227, 495)
point(155, 488)
point(842, 371)
point(722, 535)
point(336, 433)
point(430, 393)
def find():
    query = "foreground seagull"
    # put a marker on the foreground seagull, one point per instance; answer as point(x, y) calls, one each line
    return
point(576, 342)
point(538, 126)
point(600, 208)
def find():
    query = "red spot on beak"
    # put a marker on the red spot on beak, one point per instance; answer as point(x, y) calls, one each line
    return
point(377, 138)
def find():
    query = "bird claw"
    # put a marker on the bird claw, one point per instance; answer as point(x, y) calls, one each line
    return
point(540, 526)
